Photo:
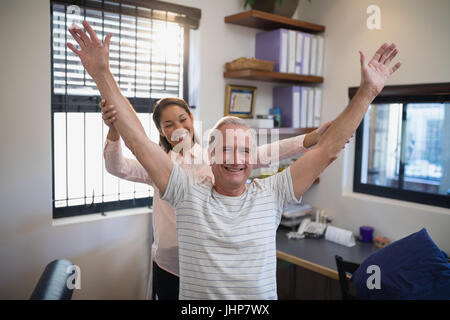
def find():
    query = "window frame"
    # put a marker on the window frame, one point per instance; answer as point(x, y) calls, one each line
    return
point(83, 103)
point(402, 94)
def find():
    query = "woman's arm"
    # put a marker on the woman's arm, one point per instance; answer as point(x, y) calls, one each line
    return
point(290, 147)
point(115, 163)
point(121, 167)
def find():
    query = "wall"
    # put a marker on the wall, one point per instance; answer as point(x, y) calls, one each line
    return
point(113, 253)
point(420, 30)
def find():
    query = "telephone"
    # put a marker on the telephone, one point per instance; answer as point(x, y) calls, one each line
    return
point(308, 229)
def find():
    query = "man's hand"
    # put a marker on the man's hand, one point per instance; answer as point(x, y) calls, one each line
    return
point(94, 54)
point(95, 58)
point(373, 78)
point(375, 73)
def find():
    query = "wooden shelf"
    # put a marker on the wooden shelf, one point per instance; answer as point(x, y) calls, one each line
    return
point(271, 76)
point(267, 21)
point(295, 131)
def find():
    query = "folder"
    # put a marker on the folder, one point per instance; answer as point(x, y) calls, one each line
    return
point(299, 52)
point(317, 106)
point(306, 53)
point(292, 50)
point(288, 100)
point(273, 46)
point(310, 112)
point(304, 107)
point(313, 67)
point(320, 55)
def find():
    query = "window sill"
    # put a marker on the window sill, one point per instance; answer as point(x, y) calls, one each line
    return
point(98, 216)
point(395, 202)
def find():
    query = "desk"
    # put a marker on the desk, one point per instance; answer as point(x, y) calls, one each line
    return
point(318, 254)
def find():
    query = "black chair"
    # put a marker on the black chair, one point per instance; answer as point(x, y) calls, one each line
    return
point(53, 283)
point(345, 267)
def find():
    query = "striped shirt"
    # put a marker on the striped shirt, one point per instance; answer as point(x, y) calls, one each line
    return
point(227, 246)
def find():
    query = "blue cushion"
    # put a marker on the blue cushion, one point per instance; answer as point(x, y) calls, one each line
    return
point(410, 268)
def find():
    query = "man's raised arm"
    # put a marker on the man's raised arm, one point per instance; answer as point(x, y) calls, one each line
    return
point(95, 58)
point(373, 78)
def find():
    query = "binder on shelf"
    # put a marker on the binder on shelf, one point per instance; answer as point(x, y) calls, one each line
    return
point(299, 52)
point(317, 106)
point(304, 107)
point(310, 112)
point(306, 54)
point(288, 100)
point(273, 46)
point(313, 67)
point(292, 34)
point(320, 55)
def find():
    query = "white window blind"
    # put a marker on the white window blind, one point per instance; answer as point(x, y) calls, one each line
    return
point(148, 57)
point(146, 52)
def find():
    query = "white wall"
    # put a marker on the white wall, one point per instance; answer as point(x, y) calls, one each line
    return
point(112, 253)
point(420, 30)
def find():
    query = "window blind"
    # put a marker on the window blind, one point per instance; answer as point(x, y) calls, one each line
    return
point(148, 58)
point(146, 52)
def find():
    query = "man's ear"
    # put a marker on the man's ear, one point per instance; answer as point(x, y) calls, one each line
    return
point(211, 156)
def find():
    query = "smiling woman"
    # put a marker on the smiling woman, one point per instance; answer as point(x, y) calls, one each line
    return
point(174, 121)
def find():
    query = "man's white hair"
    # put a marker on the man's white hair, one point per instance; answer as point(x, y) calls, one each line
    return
point(230, 120)
point(224, 121)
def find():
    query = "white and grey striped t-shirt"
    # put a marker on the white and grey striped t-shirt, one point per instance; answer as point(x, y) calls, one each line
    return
point(227, 244)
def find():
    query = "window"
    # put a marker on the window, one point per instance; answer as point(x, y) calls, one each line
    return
point(149, 57)
point(403, 145)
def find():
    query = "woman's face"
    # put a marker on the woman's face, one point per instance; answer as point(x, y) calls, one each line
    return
point(177, 125)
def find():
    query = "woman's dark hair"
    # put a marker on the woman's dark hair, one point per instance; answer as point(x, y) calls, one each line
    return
point(157, 110)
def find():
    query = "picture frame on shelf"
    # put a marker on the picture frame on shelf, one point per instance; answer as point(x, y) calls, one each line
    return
point(240, 101)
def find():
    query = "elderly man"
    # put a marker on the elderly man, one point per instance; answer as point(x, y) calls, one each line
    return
point(226, 230)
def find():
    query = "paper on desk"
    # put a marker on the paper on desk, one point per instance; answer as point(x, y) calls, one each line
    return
point(340, 236)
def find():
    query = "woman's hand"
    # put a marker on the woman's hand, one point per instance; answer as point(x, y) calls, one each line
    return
point(109, 114)
point(313, 137)
point(94, 54)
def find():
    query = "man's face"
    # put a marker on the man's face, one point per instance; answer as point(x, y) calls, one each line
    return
point(231, 157)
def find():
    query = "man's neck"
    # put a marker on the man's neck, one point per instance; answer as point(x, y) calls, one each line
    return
point(230, 192)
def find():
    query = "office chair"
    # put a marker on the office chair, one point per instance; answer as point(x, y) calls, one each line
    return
point(53, 282)
point(343, 268)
